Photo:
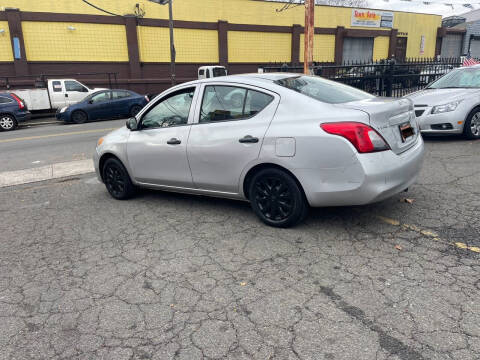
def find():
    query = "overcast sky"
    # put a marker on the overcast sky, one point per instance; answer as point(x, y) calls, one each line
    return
point(417, 6)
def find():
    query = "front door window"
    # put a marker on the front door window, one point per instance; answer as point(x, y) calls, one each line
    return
point(170, 111)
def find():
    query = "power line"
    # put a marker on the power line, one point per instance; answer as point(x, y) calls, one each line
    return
point(99, 9)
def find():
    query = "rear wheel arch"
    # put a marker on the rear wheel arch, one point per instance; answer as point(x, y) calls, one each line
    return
point(255, 169)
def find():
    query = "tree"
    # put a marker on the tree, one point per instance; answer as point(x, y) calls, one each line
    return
point(347, 3)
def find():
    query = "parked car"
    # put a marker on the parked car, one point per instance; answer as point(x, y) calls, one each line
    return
point(451, 104)
point(294, 141)
point(13, 110)
point(56, 94)
point(104, 104)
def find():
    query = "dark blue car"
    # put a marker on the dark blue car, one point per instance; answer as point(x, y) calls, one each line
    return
point(103, 104)
point(12, 111)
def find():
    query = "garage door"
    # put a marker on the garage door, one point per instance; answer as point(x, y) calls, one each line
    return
point(452, 46)
point(357, 49)
point(475, 48)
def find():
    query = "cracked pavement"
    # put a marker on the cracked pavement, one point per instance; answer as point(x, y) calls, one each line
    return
point(169, 276)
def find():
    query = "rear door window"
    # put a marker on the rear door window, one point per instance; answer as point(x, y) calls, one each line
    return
point(227, 103)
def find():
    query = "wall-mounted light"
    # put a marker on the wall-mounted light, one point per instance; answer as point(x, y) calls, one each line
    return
point(71, 28)
point(2, 31)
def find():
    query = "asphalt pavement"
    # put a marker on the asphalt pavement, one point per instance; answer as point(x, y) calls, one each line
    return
point(169, 276)
point(44, 141)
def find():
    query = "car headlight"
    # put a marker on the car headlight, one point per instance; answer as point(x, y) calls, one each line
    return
point(445, 107)
point(62, 110)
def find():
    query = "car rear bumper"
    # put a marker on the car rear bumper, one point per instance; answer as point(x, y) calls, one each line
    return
point(374, 177)
point(23, 116)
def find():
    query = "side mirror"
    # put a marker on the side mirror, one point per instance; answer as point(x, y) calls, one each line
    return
point(90, 101)
point(132, 124)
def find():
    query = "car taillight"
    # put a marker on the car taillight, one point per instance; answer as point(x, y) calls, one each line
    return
point(20, 103)
point(363, 137)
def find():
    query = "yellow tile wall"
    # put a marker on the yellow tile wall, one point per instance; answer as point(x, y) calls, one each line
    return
point(154, 44)
point(258, 47)
point(53, 41)
point(191, 45)
point(323, 48)
point(246, 12)
point(6, 53)
point(380, 47)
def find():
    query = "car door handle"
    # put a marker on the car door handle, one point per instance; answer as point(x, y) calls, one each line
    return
point(174, 141)
point(248, 139)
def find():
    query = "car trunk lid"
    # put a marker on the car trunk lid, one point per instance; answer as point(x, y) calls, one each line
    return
point(393, 119)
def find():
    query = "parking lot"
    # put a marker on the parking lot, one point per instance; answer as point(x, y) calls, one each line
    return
point(165, 276)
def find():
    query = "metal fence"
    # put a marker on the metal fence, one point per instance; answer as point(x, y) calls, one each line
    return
point(382, 78)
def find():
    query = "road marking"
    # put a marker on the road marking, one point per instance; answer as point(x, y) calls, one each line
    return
point(40, 123)
point(56, 135)
point(48, 172)
point(428, 233)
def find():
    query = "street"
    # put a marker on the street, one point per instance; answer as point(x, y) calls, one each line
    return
point(170, 276)
point(39, 144)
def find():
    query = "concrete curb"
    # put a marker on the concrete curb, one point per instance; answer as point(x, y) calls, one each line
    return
point(48, 172)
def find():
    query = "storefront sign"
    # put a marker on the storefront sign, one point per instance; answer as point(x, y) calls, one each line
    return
point(372, 18)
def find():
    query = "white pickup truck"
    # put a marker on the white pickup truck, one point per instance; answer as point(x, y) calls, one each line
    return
point(58, 93)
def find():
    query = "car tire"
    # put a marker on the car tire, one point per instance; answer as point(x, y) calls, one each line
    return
point(116, 179)
point(276, 198)
point(135, 110)
point(79, 117)
point(471, 129)
point(8, 122)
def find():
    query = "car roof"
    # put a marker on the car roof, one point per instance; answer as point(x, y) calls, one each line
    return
point(251, 79)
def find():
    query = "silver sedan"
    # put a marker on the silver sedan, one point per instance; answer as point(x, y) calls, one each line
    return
point(284, 142)
point(451, 105)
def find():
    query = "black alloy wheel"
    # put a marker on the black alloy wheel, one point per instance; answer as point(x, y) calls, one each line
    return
point(117, 180)
point(277, 199)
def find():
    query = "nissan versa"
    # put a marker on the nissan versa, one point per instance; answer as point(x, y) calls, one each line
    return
point(282, 141)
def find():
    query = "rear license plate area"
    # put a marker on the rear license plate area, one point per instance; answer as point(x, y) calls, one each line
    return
point(406, 131)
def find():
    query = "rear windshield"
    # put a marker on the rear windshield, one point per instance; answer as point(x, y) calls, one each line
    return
point(219, 72)
point(324, 90)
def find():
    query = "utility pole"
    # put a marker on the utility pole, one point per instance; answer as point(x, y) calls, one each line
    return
point(173, 53)
point(309, 31)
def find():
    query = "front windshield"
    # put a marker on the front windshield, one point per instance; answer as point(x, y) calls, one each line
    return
point(324, 90)
point(461, 78)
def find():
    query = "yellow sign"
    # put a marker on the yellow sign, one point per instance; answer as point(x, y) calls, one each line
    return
point(372, 18)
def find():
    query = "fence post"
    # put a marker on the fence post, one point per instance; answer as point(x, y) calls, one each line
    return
point(390, 71)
